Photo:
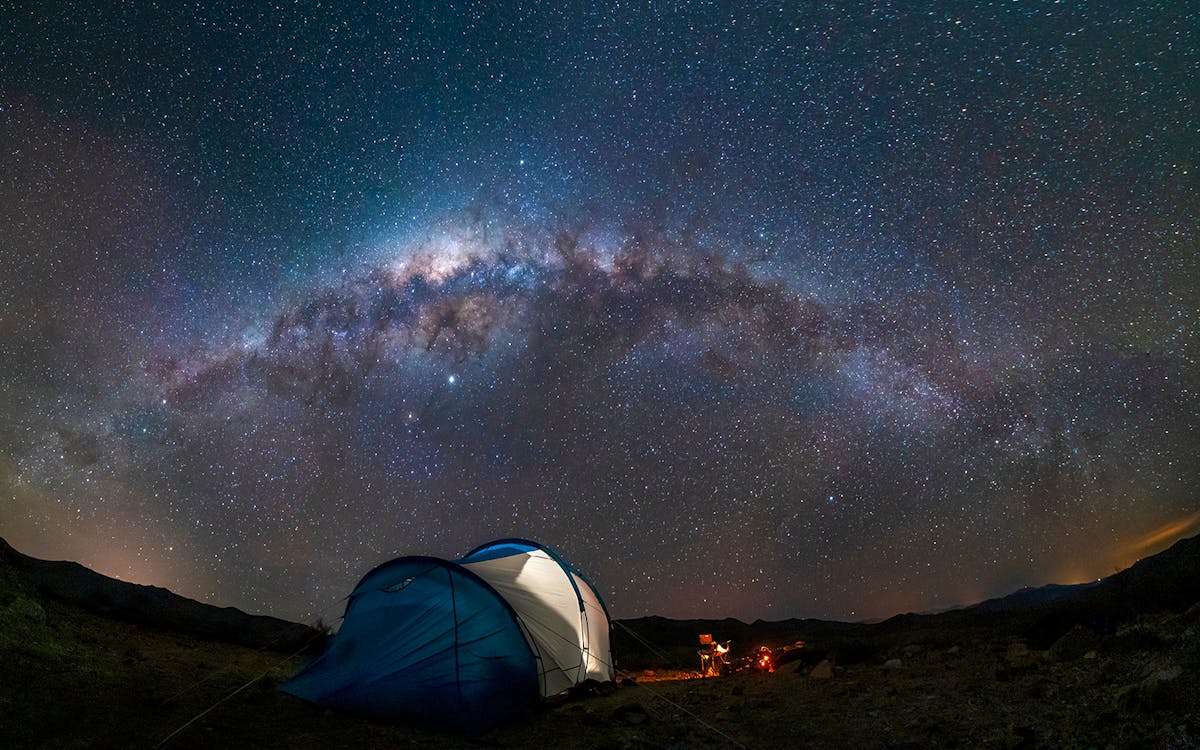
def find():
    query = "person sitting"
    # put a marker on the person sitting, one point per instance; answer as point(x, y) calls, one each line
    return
point(706, 654)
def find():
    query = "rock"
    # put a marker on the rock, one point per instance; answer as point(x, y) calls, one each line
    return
point(592, 687)
point(1192, 615)
point(1074, 644)
point(27, 609)
point(1190, 637)
point(1163, 689)
point(589, 687)
point(1020, 658)
point(1143, 635)
point(954, 650)
point(823, 670)
point(1092, 655)
point(1022, 738)
point(1168, 673)
point(631, 713)
point(893, 664)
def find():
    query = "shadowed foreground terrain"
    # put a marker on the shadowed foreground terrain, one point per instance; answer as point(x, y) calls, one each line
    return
point(89, 662)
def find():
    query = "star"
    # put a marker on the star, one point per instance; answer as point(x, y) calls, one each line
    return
point(719, 334)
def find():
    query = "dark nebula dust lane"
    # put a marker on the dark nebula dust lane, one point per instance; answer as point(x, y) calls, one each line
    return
point(749, 312)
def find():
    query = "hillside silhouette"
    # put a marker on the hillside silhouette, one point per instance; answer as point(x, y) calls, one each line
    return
point(89, 661)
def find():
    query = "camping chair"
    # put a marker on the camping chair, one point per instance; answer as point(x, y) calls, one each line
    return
point(706, 654)
point(714, 659)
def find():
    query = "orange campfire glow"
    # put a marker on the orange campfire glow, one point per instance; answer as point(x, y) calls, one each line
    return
point(1155, 540)
point(765, 660)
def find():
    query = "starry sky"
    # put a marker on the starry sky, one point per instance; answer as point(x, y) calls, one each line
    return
point(751, 310)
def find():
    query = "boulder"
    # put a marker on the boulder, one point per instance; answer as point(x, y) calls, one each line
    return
point(823, 670)
point(1020, 657)
point(1017, 651)
point(24, 608)
point(1074, 644)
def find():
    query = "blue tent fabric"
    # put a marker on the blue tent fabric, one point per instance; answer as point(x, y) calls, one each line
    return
point(501, 548)
point(427, 641)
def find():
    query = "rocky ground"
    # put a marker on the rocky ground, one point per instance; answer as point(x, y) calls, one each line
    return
point(70, 678)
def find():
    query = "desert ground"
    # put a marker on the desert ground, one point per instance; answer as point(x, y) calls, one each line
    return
point(70, 678)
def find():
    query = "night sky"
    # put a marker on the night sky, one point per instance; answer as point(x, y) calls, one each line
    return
point(748, 311)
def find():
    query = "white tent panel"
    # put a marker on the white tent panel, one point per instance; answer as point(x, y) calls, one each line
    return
point(596, 647)
point(538, 588)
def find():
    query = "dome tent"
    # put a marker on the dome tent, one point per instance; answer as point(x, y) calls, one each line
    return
point(463, 644)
